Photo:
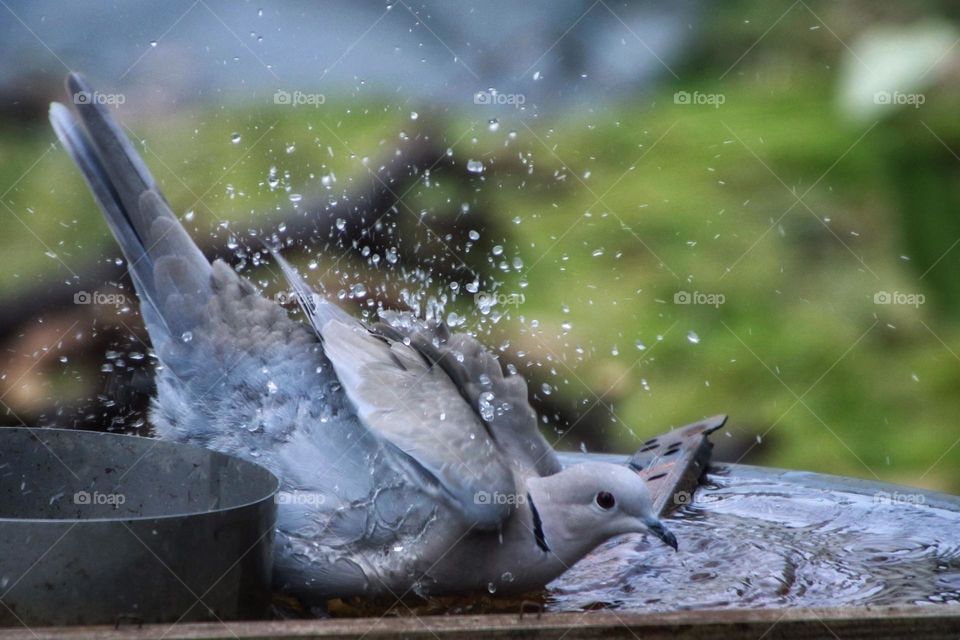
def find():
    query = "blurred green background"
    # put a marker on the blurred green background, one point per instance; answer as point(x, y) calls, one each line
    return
point(792, 170)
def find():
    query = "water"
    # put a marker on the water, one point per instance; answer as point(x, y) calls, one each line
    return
point(767, 539)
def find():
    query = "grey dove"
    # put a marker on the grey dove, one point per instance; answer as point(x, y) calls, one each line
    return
point(409, 461)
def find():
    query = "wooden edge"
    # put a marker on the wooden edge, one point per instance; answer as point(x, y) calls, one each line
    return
point(940, 621)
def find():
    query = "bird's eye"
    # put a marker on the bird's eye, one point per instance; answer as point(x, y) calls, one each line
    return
point(605, 500)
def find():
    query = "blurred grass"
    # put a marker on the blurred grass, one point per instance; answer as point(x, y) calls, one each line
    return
point(676, 200)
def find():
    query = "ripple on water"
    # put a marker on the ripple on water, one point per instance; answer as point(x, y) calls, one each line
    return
point(751, 543)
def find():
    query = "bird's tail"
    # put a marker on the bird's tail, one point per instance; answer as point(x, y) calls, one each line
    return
point(171, 275)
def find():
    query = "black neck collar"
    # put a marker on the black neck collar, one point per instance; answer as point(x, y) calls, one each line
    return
point(537, 525)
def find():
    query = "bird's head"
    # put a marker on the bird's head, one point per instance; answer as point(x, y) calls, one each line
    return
point(586, 504)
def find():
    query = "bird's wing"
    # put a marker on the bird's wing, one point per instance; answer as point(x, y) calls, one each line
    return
point(500, 400)
point(473, 376)
point(412, 402)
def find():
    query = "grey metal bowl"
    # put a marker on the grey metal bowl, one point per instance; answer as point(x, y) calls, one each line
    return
point(103, 528)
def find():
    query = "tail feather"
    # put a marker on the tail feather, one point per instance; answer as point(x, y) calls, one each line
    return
point(165, 264)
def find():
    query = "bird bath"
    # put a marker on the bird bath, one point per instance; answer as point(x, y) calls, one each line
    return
point(764, 538)
point(752, 541)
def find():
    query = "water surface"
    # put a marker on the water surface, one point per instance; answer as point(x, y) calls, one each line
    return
point(755, 538)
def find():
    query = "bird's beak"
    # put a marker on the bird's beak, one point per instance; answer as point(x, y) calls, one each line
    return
point(657, 528)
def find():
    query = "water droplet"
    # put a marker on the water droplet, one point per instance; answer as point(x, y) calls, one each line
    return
point(485, 404)
point(186, 336)
point(536, 75)
point(546, 389)
point(693, 338)
point(493, 125)
point(188, 216)
point(295, 197)
point(358, 290)
point(291, 148)
point(492, 588)
point(235, 138)
point(153, 43)
point(414, 115)
point(473, 235)
point(271, 387)
point(474, 166)
point(640, 346)
point(597, 252)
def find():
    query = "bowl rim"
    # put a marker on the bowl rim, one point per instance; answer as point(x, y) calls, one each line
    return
point(269, 495)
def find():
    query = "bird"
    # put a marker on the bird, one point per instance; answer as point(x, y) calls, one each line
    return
point(410, 460)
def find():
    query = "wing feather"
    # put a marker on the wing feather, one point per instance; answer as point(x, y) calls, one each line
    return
point(411, 402)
